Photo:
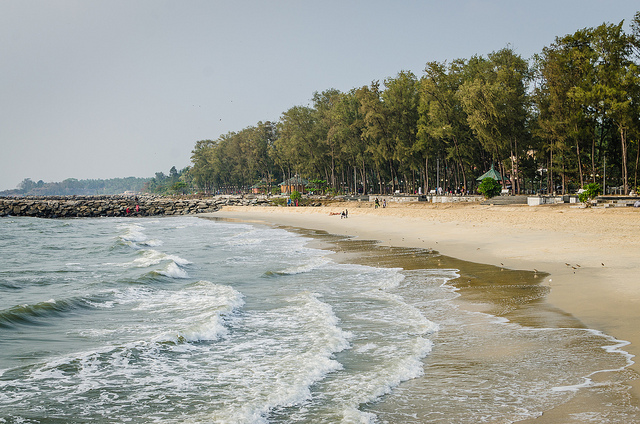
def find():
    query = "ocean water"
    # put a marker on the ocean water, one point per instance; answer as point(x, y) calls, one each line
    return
point(189, 320)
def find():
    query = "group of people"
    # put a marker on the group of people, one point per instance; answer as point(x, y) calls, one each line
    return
point(377, 203)
point(451, 192)
point(343, 214)
point(137, 209)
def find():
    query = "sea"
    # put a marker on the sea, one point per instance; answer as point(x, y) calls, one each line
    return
point(192, 320)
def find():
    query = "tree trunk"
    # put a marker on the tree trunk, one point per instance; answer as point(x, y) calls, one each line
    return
point(635, 179)
point(513, 172)
point(593, 159)
point(550, 185)
point(364, 178)
point(464, 177)
point(426, 172)
point(579, 164)
point(625, 182)
point(393, 176)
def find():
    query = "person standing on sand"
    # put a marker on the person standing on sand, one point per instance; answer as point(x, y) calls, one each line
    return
point(384, 203)
point(377, 203)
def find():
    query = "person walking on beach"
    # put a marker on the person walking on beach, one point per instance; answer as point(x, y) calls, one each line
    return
point(384, 203)
point(377, 203)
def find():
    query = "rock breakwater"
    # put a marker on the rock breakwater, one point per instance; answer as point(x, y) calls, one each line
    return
point(95, 206)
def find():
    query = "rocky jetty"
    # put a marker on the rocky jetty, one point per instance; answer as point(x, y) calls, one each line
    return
point(95, 206)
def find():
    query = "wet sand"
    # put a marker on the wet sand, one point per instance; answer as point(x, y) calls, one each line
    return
point(587, 263)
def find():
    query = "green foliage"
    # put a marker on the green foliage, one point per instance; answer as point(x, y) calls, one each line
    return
point(591, 191)
point(177, 182)
point(318, 185)
point(236, 160)
point(295, 195)
point(73, 186)
point(566, 118)
point(179, 187)
point(489, 188)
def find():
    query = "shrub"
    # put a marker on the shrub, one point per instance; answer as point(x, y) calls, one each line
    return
point(489, 188)
point(295, 195)
point(590, 192)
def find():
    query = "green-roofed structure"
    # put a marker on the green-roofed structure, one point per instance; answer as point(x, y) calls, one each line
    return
point(294, 184)
point(492, 173)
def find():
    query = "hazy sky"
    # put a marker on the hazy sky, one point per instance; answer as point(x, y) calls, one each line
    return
point(110, 88)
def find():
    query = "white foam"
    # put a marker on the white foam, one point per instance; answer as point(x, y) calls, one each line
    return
point(152, 243)
point(195, 313)
point(403, 362)
point(177, 259)
point(133, 233)
point(312, 264)
point(149, 257)
point(393, 281)
point(614, 348)
point(285, 352)
point(174, 271)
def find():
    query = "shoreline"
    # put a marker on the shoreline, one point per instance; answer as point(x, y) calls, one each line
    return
point(569, 244)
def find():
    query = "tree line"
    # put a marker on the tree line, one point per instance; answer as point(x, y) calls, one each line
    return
point(73, 186)
point(564, 118)
point(177, 182)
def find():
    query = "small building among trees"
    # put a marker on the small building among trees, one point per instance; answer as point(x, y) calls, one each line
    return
point(260, 188)
point(292, 184)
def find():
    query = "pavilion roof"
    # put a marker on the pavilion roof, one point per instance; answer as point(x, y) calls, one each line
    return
point(294, 181)
point(492, 173)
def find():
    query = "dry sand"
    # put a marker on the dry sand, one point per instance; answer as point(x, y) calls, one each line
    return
point(592, 255)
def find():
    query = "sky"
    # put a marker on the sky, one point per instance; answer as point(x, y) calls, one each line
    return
point(98, 89)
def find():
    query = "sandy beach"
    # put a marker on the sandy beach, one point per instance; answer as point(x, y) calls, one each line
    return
point(591, 256)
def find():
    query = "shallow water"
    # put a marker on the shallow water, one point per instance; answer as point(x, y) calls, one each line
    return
point(192, 320)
